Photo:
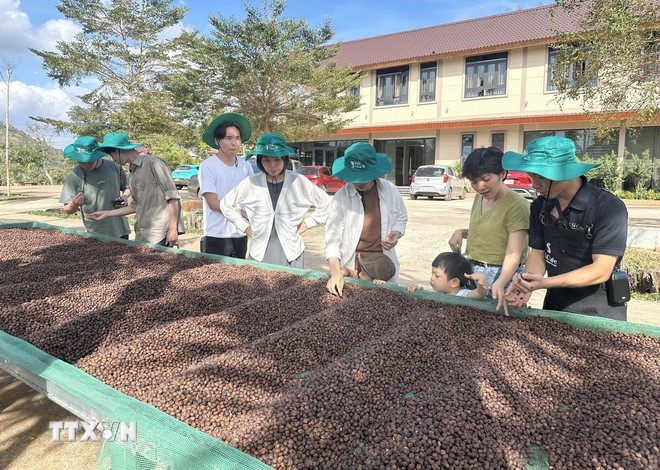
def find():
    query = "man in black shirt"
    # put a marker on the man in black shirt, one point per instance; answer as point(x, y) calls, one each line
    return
point(577, 232)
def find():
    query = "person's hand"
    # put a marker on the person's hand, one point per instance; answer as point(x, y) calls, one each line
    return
point(456, 241)
point(302, 228)
point(391, 240)
point(497, 292)
point(479, 278)
point(78, 199)
point(335, 284)
point(412, 289)
point(515, 295)
point(172, 237)
point(528, 282)
point(248, 231)
point(98, 215)
point(379, 281)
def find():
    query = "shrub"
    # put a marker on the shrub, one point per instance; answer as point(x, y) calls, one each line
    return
point(647, 194)
point(610, 171)
point(638, 169)
point(639, 263)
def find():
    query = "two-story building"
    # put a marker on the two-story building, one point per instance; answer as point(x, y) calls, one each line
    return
point(434, 94)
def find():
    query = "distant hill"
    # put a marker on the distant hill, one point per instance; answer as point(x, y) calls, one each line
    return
point(18, 138)
point(30, 160)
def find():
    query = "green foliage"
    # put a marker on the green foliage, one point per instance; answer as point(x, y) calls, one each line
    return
point(609, 172)
point(645, 194)
point(59, 214)
point(639, 263)
point(639, 169)
point(276, 71)
point(121, 47)
point(167, 149)
point(611, 65)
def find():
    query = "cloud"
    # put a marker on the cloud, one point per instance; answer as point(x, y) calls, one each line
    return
point(52, 31)
point(16, 28)
point(18, 34)
point(30, 100)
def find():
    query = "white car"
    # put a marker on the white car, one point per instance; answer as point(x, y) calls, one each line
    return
point(437, 181)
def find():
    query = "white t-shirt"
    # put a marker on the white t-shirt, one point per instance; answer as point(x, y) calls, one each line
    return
point(216, 177)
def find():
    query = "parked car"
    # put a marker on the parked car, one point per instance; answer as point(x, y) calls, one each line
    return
point(322, 177)
point(193, 186)
point(437, 181)
point(521, 183)
point(183, 173)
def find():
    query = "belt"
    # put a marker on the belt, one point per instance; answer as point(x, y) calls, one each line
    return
point(485, 265)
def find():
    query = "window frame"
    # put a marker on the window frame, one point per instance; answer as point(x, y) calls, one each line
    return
point(399, 77)
point(465, 154)
point(477, 68)
point(552, 53)
point(492, 140)
point(427, 85)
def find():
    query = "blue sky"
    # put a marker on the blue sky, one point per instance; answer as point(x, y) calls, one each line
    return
point(38, 24)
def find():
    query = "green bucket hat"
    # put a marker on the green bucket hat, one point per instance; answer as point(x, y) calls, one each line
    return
point(271, 145)
point(117, 140)
point(84, 149)
point(361, 164)
point(551, 157)
point(242, 123)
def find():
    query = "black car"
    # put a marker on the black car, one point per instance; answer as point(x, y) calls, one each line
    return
point(193, 186)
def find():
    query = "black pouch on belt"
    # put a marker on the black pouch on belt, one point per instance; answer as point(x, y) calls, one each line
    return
point(618, 288)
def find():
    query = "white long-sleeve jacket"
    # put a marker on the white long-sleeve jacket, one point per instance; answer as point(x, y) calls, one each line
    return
point(344, 226)
point(297, 196)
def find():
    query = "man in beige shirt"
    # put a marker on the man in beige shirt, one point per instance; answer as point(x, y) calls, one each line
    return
point(155, 199)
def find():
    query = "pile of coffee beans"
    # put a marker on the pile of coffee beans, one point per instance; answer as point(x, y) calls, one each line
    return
point(272, 364)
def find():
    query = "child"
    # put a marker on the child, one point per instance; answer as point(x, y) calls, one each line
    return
point(449, 274)
point(376, 267)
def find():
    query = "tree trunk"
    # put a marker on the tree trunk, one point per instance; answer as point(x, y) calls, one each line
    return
point(50, 179)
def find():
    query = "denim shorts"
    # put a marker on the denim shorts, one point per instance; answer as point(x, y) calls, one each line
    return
point(492, 273)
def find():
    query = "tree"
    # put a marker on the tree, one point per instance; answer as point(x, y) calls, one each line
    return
point(611, 66)
point(277, 72)
point(121, 46)
point(8, 67)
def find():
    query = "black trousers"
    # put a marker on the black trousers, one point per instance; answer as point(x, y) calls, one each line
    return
point(234, 247)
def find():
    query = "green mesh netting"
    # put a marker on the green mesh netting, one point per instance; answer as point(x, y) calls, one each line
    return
point(164, 442)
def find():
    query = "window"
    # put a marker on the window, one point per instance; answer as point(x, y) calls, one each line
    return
point(355, 91)
point(392, 86)
point(497, 140)
point(467, 146)
point(584, 139)
point(651, 56)
point(485, 75)
point(427, 81)
point(575, 69)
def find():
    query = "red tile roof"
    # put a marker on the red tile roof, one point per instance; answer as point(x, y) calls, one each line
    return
point(488, 33)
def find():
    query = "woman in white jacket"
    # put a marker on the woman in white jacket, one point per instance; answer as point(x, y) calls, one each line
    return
point(367, 215)
point(276, 202)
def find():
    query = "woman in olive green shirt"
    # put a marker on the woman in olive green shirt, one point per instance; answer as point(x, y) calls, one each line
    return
point(499, 221)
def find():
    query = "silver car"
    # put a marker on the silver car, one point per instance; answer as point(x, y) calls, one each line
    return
point(437, 181)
